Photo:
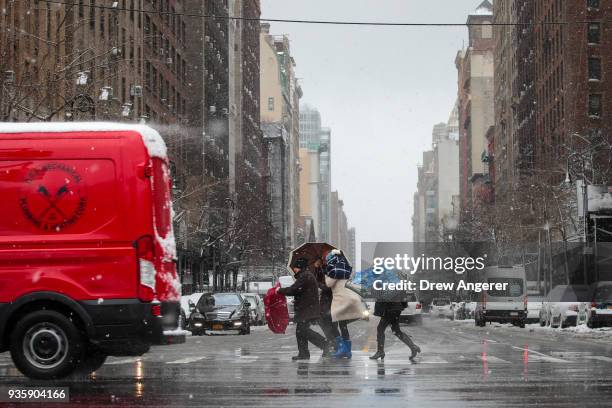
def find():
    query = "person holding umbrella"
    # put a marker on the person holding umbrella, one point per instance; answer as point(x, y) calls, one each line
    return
point(306, 306)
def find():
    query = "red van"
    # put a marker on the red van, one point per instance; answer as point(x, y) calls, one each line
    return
point(87, 254)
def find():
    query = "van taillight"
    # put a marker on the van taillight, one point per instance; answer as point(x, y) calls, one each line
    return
point(145, 251)
point(484, 300)
point(593, 305)
point(418, 305)
point(525, 301)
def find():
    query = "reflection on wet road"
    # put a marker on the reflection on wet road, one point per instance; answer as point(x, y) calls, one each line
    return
point(461, 365)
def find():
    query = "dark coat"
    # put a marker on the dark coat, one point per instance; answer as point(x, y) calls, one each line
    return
point(326, 297)
point(305, 292)
point(383, 308)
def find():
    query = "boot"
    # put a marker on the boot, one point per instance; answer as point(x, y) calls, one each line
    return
point(380, 353)
point(301, 357)
point(341, 348)
point(413, 347)
point(349, 346)
point(327, 350)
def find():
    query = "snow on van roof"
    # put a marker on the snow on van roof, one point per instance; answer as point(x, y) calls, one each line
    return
point(150, 137)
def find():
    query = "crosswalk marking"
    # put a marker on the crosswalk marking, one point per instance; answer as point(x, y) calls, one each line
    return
point(548, 359)
point(600, 358)
point(187, 360)
point(493, 359)
point(123, 361)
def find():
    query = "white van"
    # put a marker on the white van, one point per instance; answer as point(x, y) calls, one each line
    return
point(508, 305)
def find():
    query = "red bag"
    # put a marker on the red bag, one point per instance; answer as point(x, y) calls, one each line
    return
point(277, 314)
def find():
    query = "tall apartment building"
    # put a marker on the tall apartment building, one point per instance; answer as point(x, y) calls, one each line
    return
point(315, 146)
point(475, 107)
point(351, 249)
point(424, 220)
point(279, 110)
point(438, 182)
point(505, 153)
point(339, 234)
point(88, 62)
point(252, 174)
point(573, 91)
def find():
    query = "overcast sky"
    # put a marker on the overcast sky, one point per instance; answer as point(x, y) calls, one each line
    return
point(381, 90)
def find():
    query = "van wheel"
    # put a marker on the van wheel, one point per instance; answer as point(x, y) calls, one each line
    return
point(521, 324)
point(46, 345)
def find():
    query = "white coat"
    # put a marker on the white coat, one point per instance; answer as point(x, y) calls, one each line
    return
point(346, 304)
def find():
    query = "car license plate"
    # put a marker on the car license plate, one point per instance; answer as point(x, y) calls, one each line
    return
point(513, 313)
point(217, 327)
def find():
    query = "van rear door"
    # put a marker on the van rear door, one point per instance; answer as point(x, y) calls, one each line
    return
point(511, 298)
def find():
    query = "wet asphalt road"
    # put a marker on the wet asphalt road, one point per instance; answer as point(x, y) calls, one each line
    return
point(461, 366)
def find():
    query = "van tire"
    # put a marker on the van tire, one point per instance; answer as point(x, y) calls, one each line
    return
point(62, 338)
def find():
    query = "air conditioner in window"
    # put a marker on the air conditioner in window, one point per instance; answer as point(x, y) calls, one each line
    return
point(207, 38)
point(162, 51)
point(136, 91)
point(169, 61)
point(9, 77)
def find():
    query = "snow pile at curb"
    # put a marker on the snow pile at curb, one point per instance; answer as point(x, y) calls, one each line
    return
point(581, 331)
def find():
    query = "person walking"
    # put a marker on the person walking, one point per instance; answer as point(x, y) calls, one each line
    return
point(389, 313)
point(306, 309)
point(330, 329)
point(346, 305)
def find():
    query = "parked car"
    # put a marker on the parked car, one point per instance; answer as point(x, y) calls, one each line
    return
point(221, 311)
point(565, 305)
point(86, 245)
point(441, 307)
point(366, 310)
point(600, 310)
point(505, 305)
point(188, 304)
point(291, 307)
point(285, 281)
point(412, 313)
point(534, 305)
point(459, 311)
point(470, 308)
point(258, 310)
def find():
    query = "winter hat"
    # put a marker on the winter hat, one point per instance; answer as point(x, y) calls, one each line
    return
point(331, 254)
point(300, 263)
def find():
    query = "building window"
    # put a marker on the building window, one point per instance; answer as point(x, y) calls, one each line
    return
point(92, 14)
point(595, 108)
point(594, 33)
point(594, 69)
point(593, 4)
point(487, 30)
point(271, 103)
